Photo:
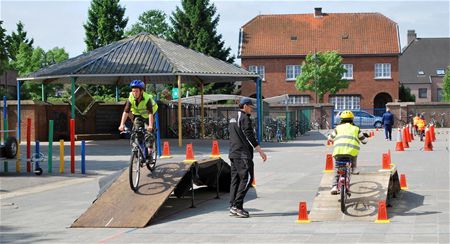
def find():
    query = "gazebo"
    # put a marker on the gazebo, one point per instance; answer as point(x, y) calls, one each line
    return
point(148, 58)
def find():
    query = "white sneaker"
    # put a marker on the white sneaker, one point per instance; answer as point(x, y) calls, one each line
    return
point(355, 171)
point(333, 190)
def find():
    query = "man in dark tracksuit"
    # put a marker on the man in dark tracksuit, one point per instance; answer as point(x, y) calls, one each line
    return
point(242, 142)
point(388, 122)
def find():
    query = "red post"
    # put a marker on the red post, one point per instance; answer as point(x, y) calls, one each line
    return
point(72, 146)
point(28, 145)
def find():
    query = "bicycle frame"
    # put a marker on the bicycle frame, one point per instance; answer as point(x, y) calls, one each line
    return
point(343, 170)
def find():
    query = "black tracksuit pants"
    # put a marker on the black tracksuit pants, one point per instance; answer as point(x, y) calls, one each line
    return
point(241, 179)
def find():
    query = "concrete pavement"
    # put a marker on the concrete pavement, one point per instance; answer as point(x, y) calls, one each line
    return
point(41, 208)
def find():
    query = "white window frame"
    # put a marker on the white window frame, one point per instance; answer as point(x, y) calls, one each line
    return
point(297, 99)
point(348, 75)
point(259, 69)
point(346, 102)
point(382, 71)
point(292, 71)
point(440, 72)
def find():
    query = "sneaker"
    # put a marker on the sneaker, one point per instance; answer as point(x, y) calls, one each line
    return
point(242, 213)
point(233, 211)
point(333, 190)
point(355, 171)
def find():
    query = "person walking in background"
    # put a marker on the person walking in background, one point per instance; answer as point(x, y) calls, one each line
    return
point(421, 124)
point(388, 122)
point(415, 121)
point(242, 143)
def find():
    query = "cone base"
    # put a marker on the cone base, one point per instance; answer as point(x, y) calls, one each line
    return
point(214, 156)
point(303, 221)
point(166, 157)
point(189, 161)
point(328, 171)
point(404, 188)
point(379, 221)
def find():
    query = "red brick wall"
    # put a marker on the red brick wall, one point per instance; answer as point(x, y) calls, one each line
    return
point(363, 82)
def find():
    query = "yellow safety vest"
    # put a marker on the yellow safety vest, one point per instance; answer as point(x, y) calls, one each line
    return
point(421, 124)
point(141, 108)
point(346, 141)
point(416, 119)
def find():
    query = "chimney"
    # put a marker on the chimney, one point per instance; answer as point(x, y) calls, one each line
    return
point(411, 36)
point(318, 13)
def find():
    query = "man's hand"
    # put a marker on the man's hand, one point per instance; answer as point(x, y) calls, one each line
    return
point(121, 127)
point(263, 156)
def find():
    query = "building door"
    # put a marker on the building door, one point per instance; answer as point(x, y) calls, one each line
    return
point(379, 103)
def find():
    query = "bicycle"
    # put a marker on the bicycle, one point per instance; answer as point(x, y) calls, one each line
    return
point(343, 170)
point(139, 155)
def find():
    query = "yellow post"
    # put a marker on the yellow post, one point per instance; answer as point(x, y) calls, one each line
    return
point(18, 158)
point(180, 133)
point(202, 111)
point(61, 156)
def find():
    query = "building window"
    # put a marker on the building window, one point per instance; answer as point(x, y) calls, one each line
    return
point(420, 72)
point(292, 71)
point(440, 95)
point(382, 71)
point(422, 92)
point(349, 74)
point(346, 102)
point(440, 72)
point(259, 69)
point(297, 99)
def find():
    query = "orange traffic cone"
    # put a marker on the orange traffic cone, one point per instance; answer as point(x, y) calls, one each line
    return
point(385, 162)
point(399, 145)
point(302, 214)
point(389, 157)
point(377, 129)
point(411, 133)
point(166, 150)
point(329, 164)
point(408, 135)
point(382, 213)
point(215, 150)
point(403, 185)
point(432, 134)
point(428, 145)
point(189, 154)
point(404, 138)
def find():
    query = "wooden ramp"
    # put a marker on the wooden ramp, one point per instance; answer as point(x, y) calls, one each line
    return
point(367, 189)
point(120, 207)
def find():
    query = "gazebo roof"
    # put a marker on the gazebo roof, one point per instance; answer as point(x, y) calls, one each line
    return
point(144, 57)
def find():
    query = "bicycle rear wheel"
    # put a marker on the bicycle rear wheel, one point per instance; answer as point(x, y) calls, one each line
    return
point(153, 156)
point(343, 197)
point(134, 171)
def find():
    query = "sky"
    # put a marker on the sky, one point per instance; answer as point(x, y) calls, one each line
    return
point(60, 23)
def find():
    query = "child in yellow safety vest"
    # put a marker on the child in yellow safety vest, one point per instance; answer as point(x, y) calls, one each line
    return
point(421, 123)
point(415, 120)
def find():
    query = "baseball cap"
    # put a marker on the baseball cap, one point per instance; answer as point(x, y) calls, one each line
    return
point(246, 100)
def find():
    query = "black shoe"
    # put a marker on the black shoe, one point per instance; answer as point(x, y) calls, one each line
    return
point(242, 213)
point(233, 211)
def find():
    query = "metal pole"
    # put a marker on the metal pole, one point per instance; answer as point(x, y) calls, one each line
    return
point(158, 134)
point(43, 92)
point(202, 111)
point(258, 108)
point(179, 112)
point(18, 111)
point(5, 122)
point(74, 79)
point(117, 93)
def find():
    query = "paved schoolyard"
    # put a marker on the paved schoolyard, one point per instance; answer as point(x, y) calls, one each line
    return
point(41, 208)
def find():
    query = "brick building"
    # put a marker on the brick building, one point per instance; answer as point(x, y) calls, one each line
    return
point(275, 46)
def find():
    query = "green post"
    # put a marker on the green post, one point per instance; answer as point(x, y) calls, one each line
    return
point(5, 167)
point(50, 145)
point(73, 96)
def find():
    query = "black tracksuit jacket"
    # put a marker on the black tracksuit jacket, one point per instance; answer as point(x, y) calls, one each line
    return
point(242, 137)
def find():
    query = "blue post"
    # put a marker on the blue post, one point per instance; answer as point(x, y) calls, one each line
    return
point(37, 148)
point(258, 109)
point(83, 157)
point(18, 111)
point(5, 122)
point(117, 93)
point(158, 135)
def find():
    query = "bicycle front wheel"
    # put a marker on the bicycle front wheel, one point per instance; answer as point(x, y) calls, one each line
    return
point(134, 171)
point(343, 197)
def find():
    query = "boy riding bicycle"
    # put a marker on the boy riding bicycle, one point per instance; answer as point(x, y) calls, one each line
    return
point(346, 137)
point(142, 107)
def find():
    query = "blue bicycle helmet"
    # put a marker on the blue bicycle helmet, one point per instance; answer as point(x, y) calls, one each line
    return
point(138, 84)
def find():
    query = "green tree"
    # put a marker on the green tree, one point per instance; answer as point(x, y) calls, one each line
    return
point(152, 22)
point(194, 26)
point(15, 40)
point(105, 24)
point(404, 94)
point(322, 73)
point(3, 50)
point(446, 85)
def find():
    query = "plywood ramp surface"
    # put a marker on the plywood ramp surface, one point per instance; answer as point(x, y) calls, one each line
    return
point(367, 189)
point(119, 206)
